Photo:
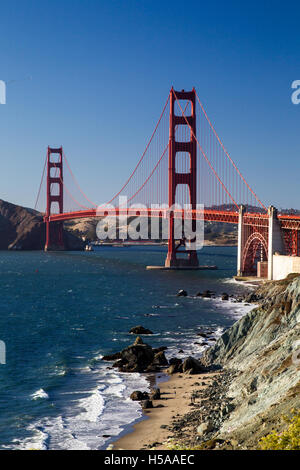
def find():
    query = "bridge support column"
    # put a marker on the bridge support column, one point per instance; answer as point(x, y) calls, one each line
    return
point(275, 241)
point(175, 178)
point(55, 194)
point(240, 240)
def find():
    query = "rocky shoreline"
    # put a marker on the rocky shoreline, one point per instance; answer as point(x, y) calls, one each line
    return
point(254, 376)
point(259, 378)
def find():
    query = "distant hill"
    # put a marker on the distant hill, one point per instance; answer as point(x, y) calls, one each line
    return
point(23, 229)
point(216, 233)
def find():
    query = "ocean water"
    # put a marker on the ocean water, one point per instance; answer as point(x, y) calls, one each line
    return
point(61, 312)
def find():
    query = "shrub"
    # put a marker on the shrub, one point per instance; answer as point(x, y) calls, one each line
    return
point(289, 439)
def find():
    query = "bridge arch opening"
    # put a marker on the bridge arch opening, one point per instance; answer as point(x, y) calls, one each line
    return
point(255, 249)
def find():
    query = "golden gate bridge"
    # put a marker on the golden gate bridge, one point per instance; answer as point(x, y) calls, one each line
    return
point(184, 164)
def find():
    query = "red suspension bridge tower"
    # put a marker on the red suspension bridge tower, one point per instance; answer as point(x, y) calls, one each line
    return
point(55, 195)
point(175, 178)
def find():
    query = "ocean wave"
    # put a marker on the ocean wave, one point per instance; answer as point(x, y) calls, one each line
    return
point(93, 406)
point(39, 394)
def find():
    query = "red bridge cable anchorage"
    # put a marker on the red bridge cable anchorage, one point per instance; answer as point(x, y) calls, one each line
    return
point(40, 187)
point(203, 153)
point(143, 155)
point(232, 162)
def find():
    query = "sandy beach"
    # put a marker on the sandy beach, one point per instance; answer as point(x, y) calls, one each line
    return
point(176, 400)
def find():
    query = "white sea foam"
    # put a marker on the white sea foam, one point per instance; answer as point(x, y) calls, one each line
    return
point(39, 394)
point(87, 421)
point(93, 406)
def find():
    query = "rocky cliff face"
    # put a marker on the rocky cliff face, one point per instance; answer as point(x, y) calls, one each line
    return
point(263, 351)
point(23, 229)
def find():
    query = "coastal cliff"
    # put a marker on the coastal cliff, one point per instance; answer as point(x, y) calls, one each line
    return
point(22, 228)
point(259, 378)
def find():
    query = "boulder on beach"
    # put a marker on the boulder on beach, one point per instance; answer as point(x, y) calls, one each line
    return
point(147, 404)
point(175, 360)
point(136, 358)
point(182, 293)
point(137, 395)
point(155, 394)
point(160, 359)
point(192, 366)
point(205, 428)
point(175, 366)
point(140, 330)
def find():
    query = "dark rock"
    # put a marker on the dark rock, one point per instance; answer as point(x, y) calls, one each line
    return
point(161, 348)
point(155, 394)
point(138, 395)
point(225, 296)
point(174, 368)
point(207, 294)
point(203, 335)
point(112, 357)
point(180, 351)
point(175, 360)
point(139, 340)
point(140, 330)
point(252, 298)
point(152, 368)
point(160, 359)
point(199, 294)
point(118, 363)
point(146, 404)
point(136, 358)
point(193, 366)
point(182, 293)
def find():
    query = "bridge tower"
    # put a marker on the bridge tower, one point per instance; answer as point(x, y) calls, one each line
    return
point(175, 178)
point(55, 194)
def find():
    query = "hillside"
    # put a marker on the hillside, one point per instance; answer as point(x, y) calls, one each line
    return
point(23, 229)
point(216, 233)
point(259, 381)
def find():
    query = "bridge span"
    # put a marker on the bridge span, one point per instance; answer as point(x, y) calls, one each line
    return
point(184, 162)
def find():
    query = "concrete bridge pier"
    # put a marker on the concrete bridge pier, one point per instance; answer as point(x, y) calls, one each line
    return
point(240, 241)
point(275, 239)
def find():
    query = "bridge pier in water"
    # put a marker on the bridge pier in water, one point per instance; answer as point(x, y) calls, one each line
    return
point(175, 178)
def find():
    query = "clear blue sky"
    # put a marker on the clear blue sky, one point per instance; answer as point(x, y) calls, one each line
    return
point(101, 71)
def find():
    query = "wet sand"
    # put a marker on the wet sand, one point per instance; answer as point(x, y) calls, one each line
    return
point(176, 398)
